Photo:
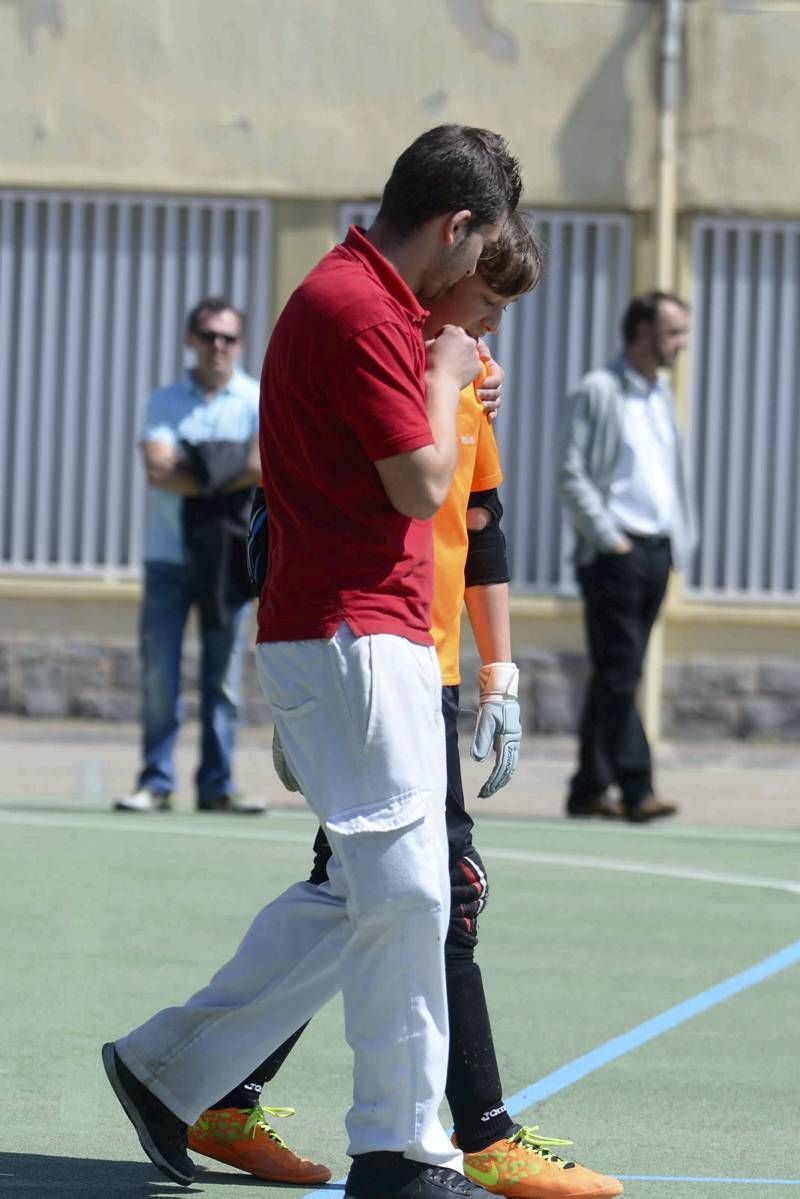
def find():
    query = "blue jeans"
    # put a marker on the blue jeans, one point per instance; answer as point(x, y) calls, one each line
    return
point(167, 601)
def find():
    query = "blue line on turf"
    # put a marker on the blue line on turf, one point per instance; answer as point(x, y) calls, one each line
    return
point(335, 1189)
point(564, 1077)
point(650, 1029)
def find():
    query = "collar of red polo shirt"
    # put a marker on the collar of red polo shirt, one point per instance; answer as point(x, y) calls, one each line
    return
point(358, 243)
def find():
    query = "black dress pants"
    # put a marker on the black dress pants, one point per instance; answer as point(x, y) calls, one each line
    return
point(622, 594)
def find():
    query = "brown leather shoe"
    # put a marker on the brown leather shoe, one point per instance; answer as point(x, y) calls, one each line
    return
point(648, 809)
point(605, 808)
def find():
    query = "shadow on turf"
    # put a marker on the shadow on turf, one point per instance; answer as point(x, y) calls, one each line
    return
point(36, 1174)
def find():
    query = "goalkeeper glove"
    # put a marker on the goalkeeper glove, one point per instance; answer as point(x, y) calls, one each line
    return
point(498, 725)
point(281, 765)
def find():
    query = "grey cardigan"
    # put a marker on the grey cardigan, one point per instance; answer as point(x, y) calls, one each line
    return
point(592, 447)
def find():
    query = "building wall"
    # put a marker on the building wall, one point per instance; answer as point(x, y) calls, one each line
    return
point(314, 98)
point(741, 85)
point(69, 650)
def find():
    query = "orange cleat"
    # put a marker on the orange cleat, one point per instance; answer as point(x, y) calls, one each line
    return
point(523, 1166)
point(241, 1137)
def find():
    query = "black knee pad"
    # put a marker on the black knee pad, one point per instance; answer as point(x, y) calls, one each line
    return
point(469, 891)
point(322, 855)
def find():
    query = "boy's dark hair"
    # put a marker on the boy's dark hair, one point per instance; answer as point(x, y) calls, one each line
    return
point(644, 310)
point(449, 168)
point(211, 305)
point(514, 264)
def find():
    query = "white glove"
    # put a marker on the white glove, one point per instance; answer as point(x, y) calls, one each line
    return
point(498, 725)
point(281, 765)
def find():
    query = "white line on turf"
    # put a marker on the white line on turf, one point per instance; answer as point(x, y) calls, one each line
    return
point(206, 827)
point(623, 866)
point(158, 824)
point(664, 832)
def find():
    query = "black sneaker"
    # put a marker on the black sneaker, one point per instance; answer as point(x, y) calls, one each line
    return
point(232, 802)
point(392, 1176)
point(161, 1134)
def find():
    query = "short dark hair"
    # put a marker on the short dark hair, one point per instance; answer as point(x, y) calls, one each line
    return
point(449, 168)
point(211, 305)
point(514, 264)
point(644, 310)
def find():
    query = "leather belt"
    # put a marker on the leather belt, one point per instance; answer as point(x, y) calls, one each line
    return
point(654, 541)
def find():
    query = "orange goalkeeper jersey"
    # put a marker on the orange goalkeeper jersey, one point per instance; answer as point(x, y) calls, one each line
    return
point(477, 469)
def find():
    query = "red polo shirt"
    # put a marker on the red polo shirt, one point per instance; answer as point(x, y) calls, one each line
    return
point(342, 387)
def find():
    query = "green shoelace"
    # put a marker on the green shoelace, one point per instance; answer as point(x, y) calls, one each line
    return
point(528, 1137)
point(258, 1119)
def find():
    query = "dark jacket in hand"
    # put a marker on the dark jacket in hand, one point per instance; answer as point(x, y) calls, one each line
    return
point(215, 530)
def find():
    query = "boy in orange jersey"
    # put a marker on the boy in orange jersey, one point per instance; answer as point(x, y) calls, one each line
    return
point(470, 567)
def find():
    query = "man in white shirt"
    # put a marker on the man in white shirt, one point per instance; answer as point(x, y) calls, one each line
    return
point(624, 485)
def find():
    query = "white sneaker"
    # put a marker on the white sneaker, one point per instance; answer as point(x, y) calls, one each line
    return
point(143, 800)
point(246, 805)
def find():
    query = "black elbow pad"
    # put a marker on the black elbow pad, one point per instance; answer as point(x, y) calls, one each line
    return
point(487, 499)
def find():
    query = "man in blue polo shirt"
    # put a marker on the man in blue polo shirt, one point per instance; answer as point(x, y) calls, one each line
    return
point(200, 449)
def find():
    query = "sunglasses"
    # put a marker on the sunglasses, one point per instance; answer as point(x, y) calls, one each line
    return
point(209, 337)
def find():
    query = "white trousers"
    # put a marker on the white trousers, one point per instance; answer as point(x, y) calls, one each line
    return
point(361, 725)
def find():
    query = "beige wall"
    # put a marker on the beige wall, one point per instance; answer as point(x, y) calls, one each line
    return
point(80, 611)
point(739, 141)
point(315, 97)
point(108, 613)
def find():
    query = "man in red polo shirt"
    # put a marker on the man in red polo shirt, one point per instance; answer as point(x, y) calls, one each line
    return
point(358, 449)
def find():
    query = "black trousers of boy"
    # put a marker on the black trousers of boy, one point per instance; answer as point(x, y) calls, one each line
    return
point(622, 595)
point(473, 1089)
